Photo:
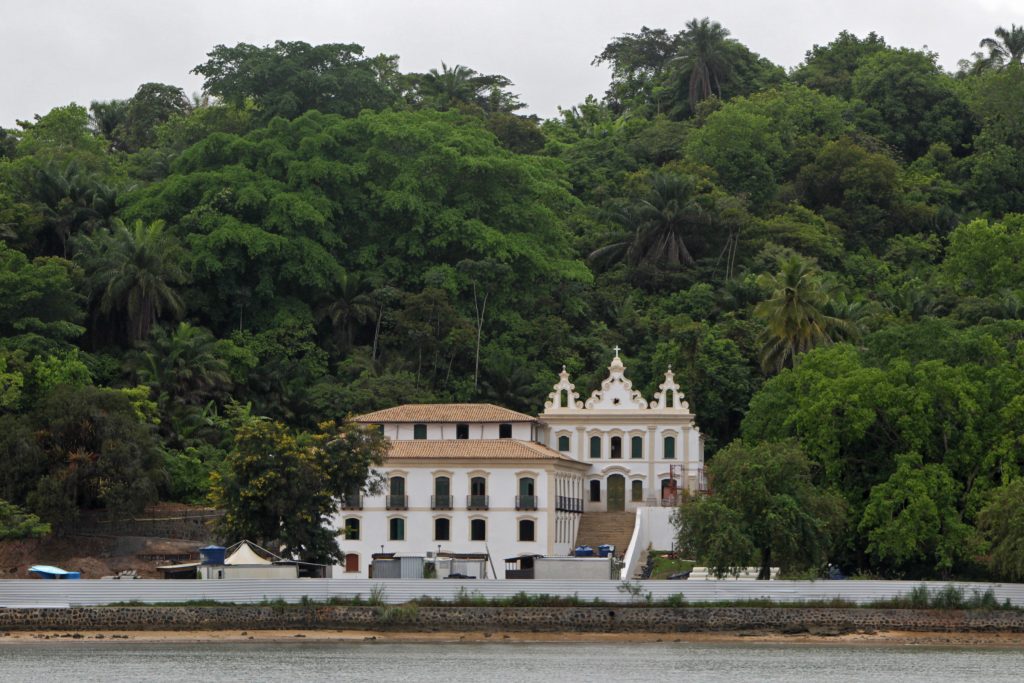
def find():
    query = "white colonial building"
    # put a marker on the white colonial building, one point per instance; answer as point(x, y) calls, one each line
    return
point(478, 480)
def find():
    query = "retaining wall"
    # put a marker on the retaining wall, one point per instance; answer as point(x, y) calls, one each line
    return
point(544, 619)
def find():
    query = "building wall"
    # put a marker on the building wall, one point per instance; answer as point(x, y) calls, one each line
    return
point(523, 431)
point(554, 532)
point(650, 469)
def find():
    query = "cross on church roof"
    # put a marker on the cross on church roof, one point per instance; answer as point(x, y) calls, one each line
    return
point(616, 349)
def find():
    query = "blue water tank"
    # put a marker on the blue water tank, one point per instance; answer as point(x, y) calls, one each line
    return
point(584, 551)
point(212, 554)
point(604, 550)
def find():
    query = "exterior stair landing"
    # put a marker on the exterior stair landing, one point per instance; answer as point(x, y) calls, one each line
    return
point(611, 528)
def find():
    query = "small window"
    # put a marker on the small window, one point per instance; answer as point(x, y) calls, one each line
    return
point(351, 562)
point(595, 491)
point(396, 529)
point(461, 431)
point(616, 453)
point(478, 530)
point(595, 447)
point(636, 449)
point(526, 530)
point(478, 486)
point(637, 490)
point(504, 431)
point(352, 529)
point(563, 444)
point(442, 529)
point(670, 447)
point(419, 431)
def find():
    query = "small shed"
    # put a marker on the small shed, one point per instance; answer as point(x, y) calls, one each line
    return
point(520, 567)
point(396, 566)
point(461, 565)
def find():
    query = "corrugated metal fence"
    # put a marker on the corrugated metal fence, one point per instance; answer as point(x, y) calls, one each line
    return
point(40, 593)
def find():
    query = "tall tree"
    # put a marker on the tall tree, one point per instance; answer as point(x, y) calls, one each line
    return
point(795, 315)
point(676, 211)
point(766, 508)
point(1007, 47)
point(705, 59)
point(281, 487)
point(133, 273)
point(290, 78)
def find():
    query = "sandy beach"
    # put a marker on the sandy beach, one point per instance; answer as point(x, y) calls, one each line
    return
point(879, 638)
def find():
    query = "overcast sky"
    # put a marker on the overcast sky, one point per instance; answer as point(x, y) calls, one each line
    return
point(57, 51)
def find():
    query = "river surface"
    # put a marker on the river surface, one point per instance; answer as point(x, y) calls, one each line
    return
point(484, 662)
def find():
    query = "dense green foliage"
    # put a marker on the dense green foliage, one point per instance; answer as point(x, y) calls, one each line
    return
point(832, 261)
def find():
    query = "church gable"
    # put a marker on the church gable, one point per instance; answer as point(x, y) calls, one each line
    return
point(616, 392)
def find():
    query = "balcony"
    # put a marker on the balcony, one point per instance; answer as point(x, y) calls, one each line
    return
point(526, 502)
point(440, 502)
point(352, 501)
point(478, 502)
point(397, 502)
point(567, 504)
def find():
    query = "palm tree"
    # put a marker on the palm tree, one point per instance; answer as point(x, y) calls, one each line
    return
point(457, 85)
point(796, 315)
point(353, 306)
point(133, 272)
point(672, 214)
point(705, 58)
point(186, 365)
point(1007, 47)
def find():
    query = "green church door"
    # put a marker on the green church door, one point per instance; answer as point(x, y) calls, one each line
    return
point(616, 493)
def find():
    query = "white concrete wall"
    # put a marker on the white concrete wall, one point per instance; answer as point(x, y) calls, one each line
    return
point(574, 568)
point(502, 519)
point(522, 431)
point(650, 469)
point(653, 529)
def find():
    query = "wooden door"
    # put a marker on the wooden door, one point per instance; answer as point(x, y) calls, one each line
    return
point(616, 493)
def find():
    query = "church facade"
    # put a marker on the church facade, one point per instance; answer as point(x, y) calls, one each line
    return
point(478, 480)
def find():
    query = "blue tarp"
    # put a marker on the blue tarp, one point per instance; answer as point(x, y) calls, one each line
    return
point(45, 571)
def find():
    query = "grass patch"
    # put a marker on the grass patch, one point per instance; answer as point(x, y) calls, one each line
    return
point(665, 564)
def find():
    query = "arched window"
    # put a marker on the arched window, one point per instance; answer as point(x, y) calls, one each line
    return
point(352, 529)
point(636, 447)
point(616, 453)
point(595, 490)
point(397, 499)
point(563, 398)
point(477, 530)
point(669, 394)
point(396, 529)
point(563, 444)
point(442, 494)
point(636, 490)
point(670, 447)
point(595, 447)
point(527, 498)
point(526, 530)
point(419, 431)
point(442, 529)
point(477, 494)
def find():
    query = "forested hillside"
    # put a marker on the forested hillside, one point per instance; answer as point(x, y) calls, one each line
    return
point(830, 258)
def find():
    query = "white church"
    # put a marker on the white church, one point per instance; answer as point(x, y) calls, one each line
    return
point(480, 481)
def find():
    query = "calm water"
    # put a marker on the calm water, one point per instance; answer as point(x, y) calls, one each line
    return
point(484, 662)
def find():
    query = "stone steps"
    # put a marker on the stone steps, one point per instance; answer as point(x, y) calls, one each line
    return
point(612, 528)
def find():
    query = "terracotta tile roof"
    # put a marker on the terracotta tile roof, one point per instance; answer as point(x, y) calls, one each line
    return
point(473, 449)
point(445, 412)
